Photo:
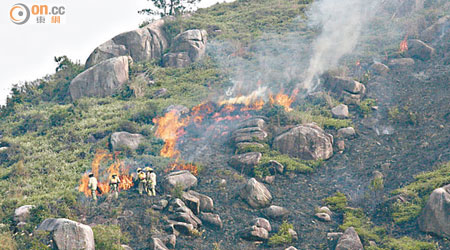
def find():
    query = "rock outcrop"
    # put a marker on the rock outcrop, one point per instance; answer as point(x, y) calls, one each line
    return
point(69, 235)
point(245, 161)
point(275, 212)
point(345, 88)
point(21, 214)
point(420, 50)
point(435, 216)
point(340, 111)
point(308, 142)
point(206, 202)
point(211, 219)
point(101, 80)
point(183, 178)
point(349, 241)
point(256, 194)
point(119, 139)
point(141, 44)
point(187, 47)
point(436, 30)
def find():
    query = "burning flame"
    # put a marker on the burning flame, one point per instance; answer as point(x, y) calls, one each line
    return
point(283, 100)
point(404, 45)
point(170, 128)
point(117, 167)
point(183, 166)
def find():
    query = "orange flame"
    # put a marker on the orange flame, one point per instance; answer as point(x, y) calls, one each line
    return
point(283, 100)
point(116, 167)
point(170, 128)
point(183, 166)
point(256, 105)
point(404, 45)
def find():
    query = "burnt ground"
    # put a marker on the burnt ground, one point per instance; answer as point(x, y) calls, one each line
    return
point(399, 148)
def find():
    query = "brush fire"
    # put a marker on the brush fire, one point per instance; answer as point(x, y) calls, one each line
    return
point(210, 120)
point(104, 173)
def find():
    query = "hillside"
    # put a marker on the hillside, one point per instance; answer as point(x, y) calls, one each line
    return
point(344, 105)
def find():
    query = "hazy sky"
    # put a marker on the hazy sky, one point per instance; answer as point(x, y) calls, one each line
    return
point(27, 51)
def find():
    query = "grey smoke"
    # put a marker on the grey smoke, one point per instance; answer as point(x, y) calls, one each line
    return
point(341, 24)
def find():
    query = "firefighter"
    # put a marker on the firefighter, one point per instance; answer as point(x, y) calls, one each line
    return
point(114, 185)
point(141, 176)
point(151, 182)
point(93, 186)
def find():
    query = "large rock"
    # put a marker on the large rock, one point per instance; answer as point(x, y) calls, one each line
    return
point(141, 44)
point(119, 139)
point(206, 202)
point(401, 63)
point(435, 216)
point(245, 161)
point(308, 142)
point(211, 219)
point(261, 222)
point(183, 178)
point(420, 50)
point(254, 233)
point(101, 80)
point(157, 244)
point(349, 241)
point(249, 134)
point(348, 132)
point(253, 122)
point(187, 47)
point(435, 31)
point(339, 84)
point(379, 68)
point(191, 202)
point(276, 212)
point(256, 194)
point(69, 235)
point(21, 214)
point(340, 111)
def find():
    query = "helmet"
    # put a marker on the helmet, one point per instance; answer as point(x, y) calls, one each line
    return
point(91, 175)
point(148, 169)
point(114, 175)
point(138, 169)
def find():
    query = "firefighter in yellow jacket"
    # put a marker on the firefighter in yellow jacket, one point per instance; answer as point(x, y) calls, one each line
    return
point(93, 184)
point(114, 185)
point(141, 176)
point(151, 181)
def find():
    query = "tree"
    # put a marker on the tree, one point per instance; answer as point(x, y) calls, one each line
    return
point(169, 7)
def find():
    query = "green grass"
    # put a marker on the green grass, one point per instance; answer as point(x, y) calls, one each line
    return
point(417, 193)
point(282, 237)
point(289, 163)
point(337, 202)
point(109, 237)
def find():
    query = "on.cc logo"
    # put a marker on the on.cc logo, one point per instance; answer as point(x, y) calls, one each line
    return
point(19, 13)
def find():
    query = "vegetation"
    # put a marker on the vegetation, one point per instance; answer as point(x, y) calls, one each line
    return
point(417, 193)
point(283, 236)
point(109, 237)
point(366, 106)
point(337, 202)
point(289, 163)
point(169, 7)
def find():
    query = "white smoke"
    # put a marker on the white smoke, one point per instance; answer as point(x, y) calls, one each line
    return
point(341, 24)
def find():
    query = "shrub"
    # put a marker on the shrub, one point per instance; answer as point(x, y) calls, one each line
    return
point(283, 236)
point(289, 163)
point(253, 148)
point(146, 114)
point(406, 243)
point(363, 226)
point(366, 106)
point(108, 237)
point(336, 202)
